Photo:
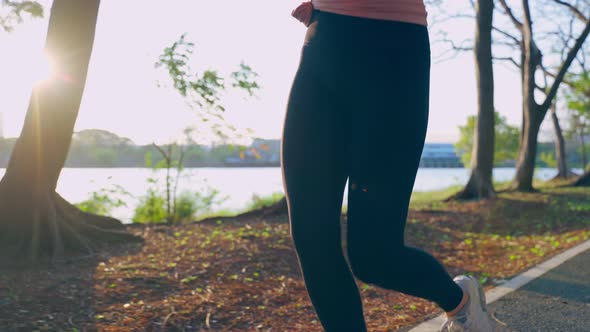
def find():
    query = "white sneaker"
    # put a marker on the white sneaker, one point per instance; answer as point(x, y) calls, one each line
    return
point(473, 317)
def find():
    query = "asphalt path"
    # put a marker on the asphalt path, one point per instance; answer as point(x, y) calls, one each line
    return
point(557, 301)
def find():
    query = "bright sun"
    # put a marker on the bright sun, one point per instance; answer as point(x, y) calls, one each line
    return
point(42, 68)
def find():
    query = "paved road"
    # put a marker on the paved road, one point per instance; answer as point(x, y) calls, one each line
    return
point(558, 301)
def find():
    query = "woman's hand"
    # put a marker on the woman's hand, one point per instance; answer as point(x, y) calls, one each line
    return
point(303, 13)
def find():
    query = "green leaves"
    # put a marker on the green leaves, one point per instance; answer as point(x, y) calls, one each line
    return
point(175, 60)
point(204, 91)
point(505, 145)
point(244, 79)
point(151, 208)
point(105, 200)
point(11, 12)
point(548, 158)
point(578, 95)
point(188, 279)
point(578, 101)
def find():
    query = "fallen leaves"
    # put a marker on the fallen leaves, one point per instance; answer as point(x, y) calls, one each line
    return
point(242, 274)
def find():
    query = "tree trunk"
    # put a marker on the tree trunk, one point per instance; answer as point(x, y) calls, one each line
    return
point(480, 183)
point(583, 144)
point(533, 114)
point(562, 170)
point(36, 221)
point(525, 165)
point(583, 180)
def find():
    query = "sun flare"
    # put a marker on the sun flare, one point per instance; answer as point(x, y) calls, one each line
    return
point(43, 68)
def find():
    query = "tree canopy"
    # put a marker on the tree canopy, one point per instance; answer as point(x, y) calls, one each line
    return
point(506, 140)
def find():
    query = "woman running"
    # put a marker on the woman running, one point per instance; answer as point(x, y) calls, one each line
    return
point(358, 110)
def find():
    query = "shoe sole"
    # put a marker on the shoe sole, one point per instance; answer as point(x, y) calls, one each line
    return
point(479, 291)
point(482, 298)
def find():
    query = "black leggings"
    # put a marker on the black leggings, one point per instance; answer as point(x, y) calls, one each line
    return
point(358, 110)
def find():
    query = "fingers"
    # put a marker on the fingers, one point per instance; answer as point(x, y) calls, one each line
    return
point(304, 12)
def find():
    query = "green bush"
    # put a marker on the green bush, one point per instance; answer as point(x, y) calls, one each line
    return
point(549, 159)
point(190, 205)
point(101, 202)
point(151, 208)
point(186, 207)
point(506, 140)
point(259, 202)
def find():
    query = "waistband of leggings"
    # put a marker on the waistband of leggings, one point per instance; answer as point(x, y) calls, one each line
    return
point(346, 29)
point(341, 19)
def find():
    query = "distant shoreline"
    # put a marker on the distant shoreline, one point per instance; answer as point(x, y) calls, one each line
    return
point(270, 165)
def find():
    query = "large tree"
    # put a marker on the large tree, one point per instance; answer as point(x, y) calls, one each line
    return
point(563, 172)
point(578, 97)
point(35, 220)
point(530, 63)
point(480, 183)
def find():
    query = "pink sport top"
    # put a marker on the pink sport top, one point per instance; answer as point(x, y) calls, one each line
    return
point(412, 11)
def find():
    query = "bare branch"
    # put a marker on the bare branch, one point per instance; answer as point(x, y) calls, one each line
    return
point(574, 9)
point(548, 73)
point(508, 59)
point(506, 34)
point(565, 66)
point(510, 14)
point(162, 152)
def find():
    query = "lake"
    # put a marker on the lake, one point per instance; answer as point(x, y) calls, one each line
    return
point(238, 184)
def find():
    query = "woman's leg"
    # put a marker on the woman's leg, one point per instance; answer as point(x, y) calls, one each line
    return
point(390, 113)
point(313, 158)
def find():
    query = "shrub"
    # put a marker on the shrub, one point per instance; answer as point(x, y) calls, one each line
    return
point(102, 202)
point(151, 209)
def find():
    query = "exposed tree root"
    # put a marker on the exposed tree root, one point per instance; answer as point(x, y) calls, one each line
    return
point(522, 189)
point(53, 228)
point(475, 189)
point(277, 209)
point(562, 177)
point(582, 181)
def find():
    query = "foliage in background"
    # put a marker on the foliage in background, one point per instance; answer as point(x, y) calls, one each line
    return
point(505, 146)
point(156, 207)
point(191, 205)
point(151, 208)
point(548, 158)
point(259, 202)
point(578, 101)
point(11, 12)
point(167, 206)
point(104, 201)
point(578, 94)
point(203, 92)
point(169, 162)
point(101, 148)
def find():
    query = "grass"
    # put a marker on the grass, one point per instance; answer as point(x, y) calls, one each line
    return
point(259, 202)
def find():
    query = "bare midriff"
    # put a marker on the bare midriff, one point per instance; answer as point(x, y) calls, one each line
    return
point(411, 11)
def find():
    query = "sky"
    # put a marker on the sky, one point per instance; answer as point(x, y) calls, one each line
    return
point(122, 94)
